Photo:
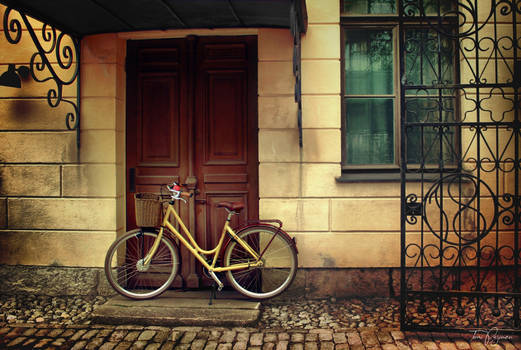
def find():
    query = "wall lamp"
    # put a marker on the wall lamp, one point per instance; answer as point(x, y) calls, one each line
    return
point(13, 76)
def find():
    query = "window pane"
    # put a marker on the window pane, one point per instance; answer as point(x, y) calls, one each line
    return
point(369, 130)
point(427, 7)
point(430, 109)
point(363, 7)
point(429, 58)
point(368, 62)
point(425, 143)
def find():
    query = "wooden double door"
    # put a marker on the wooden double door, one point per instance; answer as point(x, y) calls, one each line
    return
point(192, 118)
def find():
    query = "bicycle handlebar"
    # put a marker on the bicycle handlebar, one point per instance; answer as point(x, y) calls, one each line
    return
point(186, 194)
point(177, 193)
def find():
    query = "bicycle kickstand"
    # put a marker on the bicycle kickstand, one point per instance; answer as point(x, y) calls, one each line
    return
point(213, 293)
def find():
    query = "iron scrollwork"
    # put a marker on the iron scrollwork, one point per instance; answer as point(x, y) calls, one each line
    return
point(52, 46)
point(462, 199)
point(461, 257)
point(413, 208)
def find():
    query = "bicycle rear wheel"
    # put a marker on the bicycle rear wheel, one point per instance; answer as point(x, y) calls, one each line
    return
point(279, 266)
point(125, 270)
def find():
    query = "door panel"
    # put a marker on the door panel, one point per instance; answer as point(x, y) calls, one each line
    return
point(225, 119)
point(156, 115)
point(226, 149)
point(158, 118)
point(192, 118)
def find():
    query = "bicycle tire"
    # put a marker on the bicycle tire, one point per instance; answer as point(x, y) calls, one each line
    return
point(279, 268)
point(123, 271)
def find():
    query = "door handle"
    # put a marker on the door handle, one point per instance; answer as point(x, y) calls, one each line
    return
point(199, 201)
point(132, 179)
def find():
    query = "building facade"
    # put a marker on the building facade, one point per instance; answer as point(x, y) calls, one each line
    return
point(338, 193)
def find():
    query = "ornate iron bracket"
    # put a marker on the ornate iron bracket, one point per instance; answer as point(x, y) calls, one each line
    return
point(298, 25)
point(64, 49)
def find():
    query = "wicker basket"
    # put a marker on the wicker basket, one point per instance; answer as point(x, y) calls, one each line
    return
point(148, 209)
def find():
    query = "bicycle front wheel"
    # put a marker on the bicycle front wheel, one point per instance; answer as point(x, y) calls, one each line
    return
point(126, 270)
point(279, 263)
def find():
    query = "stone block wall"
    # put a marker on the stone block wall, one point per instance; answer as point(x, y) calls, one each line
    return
point(334, 223)
point(58, 202)
point(61, 206)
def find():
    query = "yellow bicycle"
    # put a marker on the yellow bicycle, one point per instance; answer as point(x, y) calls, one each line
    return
point(259, 259)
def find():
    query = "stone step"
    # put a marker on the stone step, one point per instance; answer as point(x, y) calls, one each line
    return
point(180, 308)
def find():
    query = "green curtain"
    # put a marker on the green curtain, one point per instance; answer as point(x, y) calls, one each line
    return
point(369, 112)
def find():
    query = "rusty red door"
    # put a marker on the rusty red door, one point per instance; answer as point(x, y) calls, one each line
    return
point(192, 118)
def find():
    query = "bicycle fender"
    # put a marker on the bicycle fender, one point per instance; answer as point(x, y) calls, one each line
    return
point(245, 227)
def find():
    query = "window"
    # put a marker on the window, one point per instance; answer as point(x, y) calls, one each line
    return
point(369, 96)
point(377, 88)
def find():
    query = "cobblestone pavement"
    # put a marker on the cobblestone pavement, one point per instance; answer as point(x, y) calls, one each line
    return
point(356, 324)
point(47, 336)
point(302, 313)
point(331, 313)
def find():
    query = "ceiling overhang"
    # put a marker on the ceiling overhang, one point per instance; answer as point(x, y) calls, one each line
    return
point(86, 17)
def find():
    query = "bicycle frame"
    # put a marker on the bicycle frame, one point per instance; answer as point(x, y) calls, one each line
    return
point(197, 251)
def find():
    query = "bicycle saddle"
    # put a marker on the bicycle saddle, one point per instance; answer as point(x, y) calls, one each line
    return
point(233, 206)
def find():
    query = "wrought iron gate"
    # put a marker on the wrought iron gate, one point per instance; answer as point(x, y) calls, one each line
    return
point(460, 164)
